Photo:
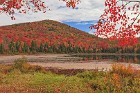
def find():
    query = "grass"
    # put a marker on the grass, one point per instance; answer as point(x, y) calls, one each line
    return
point(22, 77)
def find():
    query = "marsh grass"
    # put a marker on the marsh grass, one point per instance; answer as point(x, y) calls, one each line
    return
point(22, 77)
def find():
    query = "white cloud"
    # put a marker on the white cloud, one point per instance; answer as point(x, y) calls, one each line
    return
point(91, 32)
point(87, 10)
point(85, 23)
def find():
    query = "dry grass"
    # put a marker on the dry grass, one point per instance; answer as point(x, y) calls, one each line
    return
point(22, 77)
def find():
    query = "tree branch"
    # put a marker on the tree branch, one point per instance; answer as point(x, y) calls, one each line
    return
point(131, 0)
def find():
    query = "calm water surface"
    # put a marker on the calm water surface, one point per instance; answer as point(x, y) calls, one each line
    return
point(116, 58)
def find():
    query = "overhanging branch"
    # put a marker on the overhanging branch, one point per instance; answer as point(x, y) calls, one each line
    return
point(131, 0)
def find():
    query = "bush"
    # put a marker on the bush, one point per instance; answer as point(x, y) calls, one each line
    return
point(23, 65)
point(89, 75)
point(123, 70)
point(5, 68)
point(18, 64)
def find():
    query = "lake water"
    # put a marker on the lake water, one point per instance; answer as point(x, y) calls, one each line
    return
point(116, 58)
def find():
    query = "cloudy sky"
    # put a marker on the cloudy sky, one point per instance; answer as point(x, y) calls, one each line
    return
point(85, 14)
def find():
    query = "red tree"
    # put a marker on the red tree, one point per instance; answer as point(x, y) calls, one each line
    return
point(23, 6)
point(115, 23)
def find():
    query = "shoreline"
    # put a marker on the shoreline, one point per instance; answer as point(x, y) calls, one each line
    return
point(70, 54)
point(127, 54)
point(62, 61)
point(100, 66)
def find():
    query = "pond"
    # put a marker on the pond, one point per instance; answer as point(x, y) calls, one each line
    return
point(128, 58)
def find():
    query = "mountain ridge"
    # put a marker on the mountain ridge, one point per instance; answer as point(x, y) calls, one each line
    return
point(50, 36)
point(34, 35)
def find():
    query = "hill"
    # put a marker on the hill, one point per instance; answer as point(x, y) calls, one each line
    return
point(47, 36)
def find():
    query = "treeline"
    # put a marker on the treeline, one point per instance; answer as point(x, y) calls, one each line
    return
point(129, 49)
point(22, 47)
point(18, 47)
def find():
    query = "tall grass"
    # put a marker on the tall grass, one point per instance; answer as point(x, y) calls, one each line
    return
point(22, 77)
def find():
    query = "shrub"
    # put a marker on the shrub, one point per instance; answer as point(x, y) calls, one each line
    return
point(22, 65)
point(123, 70)
point(18, 64)
point(5, 68)
point(89, 75)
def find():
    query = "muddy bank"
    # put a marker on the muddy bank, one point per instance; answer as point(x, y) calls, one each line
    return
point(63, 61)
point(105, 66)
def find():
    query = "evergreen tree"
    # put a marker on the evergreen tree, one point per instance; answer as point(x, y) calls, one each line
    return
point(25, 48)
point(33, 47)
point(1, 49)
point(41, 48)
point(17, 46)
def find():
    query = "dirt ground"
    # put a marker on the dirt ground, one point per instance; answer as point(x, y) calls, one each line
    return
point(62, 61)
point(86, 66)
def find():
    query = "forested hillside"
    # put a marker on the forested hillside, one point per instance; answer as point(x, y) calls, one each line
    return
point(54, 37)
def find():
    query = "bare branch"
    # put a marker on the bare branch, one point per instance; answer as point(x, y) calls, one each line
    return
point(131, 0)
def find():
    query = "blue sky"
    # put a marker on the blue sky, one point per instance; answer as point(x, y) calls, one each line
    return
point(83, 25)
point(85, 14)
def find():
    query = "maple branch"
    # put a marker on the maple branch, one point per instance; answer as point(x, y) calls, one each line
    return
point(135, 19)
point(125, 5)
point(129, 25)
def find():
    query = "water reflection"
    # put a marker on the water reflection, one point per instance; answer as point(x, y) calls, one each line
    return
point(116, 58)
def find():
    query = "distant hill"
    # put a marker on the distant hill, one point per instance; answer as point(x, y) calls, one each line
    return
point(50, 36)
point(47, 36)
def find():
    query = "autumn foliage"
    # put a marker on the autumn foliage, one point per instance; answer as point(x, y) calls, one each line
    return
point(117, 23)
point(23, 6)
point(54, 37)
point(36, 79)
point(46, 36)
